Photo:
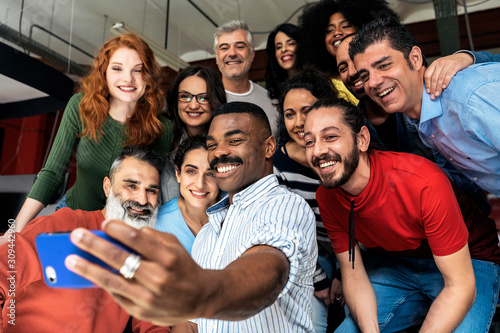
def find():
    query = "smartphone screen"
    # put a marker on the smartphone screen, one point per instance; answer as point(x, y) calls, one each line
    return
point(53, 248)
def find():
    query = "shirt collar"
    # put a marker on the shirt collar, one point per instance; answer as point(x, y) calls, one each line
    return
point(430, 108)
point(249, 194)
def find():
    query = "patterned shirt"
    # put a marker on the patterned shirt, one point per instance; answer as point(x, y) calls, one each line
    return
point(263, 213)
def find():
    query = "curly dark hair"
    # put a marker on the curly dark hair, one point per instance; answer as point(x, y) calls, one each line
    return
point(309, 79)
point(314, 21)
point(191, 143)
point(275, 75)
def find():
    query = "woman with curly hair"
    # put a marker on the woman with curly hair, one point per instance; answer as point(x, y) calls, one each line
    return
point(323, 26)
point(195, 93)
point(290, 166)
point(119, 103)
point(280, 49)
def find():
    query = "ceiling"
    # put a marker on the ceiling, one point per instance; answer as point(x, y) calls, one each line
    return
point(86, 23)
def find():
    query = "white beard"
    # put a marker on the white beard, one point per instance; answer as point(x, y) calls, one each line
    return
point(116, 209)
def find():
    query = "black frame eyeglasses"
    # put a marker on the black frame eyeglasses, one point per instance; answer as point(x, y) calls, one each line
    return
point(186, 97)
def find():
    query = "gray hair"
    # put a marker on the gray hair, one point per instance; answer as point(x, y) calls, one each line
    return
point(141, 153)
point(233, 26)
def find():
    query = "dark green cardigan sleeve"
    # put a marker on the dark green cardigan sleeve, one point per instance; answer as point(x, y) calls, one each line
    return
point(51, 176)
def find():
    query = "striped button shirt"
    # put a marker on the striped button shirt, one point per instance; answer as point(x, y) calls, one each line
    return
point(263, 213)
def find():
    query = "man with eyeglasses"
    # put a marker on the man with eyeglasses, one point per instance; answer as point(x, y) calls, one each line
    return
point(234, 53)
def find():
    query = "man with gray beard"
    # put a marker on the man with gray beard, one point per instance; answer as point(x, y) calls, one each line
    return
point(132, 189)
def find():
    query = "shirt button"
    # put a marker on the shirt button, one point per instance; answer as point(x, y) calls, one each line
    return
point(433, 136)
point(475, 179)
point(295, 241)
point(451, 159)
point(219, 253)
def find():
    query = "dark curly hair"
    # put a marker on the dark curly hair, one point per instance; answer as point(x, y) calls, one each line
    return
point(314, 21)
point(311, 80)
point(191, 143)
point(275, 75)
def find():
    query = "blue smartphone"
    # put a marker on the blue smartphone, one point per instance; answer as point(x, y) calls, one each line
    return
point(53, 248)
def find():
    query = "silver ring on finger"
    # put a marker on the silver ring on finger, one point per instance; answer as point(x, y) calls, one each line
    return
point(130, 266)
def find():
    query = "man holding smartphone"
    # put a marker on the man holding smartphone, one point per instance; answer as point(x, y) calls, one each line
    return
point(253, 261)
point(132, 189)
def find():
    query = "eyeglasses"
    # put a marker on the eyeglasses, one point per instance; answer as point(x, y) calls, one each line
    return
point(187, 97)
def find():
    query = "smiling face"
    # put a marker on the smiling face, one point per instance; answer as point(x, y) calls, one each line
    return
point(234, 55)
point(196, 116)
point(348, 73)
point(331, 148)
point(124, 77)
point(133, 193)
point(197, 182)
point(296, 104)
point(338, 27)
point(239, 151)
point(389, 80)
point(285, 50)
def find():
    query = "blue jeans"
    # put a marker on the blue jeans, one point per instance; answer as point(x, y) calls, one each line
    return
point(319, 308)
point(405, 287)
point(61, 203)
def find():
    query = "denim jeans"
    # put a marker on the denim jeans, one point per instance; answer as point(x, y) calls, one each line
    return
point(319, 308)
point(61, 203)
point(405, 287)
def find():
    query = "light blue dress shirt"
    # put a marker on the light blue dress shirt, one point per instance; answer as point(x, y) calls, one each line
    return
point(170, 220)
point(263, 213)
point(463, 124)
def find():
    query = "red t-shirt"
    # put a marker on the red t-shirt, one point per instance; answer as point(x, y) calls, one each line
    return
point(408, 201)
point(39, 308)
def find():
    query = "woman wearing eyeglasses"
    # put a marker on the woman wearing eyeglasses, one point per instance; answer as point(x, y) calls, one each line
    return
point(195, 93)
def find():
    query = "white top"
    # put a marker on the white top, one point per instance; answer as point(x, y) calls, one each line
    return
point(263, 213)
point(258, 96)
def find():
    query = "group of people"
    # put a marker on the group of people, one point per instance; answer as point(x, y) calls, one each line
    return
point(356, 178)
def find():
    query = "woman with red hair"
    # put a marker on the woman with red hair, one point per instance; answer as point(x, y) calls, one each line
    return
point(118, 104)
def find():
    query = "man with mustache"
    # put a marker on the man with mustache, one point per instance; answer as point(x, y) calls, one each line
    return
point(234, 53)
point(403, 206)
point(132, 189)
point(253, 261)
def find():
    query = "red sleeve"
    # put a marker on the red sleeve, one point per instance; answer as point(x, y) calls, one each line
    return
point(443, 222)
point(338, 234)
point(140, 326)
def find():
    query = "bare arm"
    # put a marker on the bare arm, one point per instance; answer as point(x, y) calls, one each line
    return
point(29, 211)
point(442, 70)
point(454, 301)
point(170, 288)
point(358, 292)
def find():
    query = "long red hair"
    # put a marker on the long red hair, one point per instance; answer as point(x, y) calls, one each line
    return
point(143, 127)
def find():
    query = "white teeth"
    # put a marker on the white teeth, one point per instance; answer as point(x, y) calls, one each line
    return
point(357, 84)
point(300, 134)
point(233, 62)
point(127, 88)
point(199, 193)
point(287, 57)
point(194, 114)
point(327, 164)
point(225, 168)
point(385, 92)
point(337, 43)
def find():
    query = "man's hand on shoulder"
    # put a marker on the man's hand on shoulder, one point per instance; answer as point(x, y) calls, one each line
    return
point(442, 70)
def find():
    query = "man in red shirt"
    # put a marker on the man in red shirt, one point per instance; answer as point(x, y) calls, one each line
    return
point(29, 305)
point(403, 205)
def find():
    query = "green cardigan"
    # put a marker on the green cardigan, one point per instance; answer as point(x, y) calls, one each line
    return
point(93, 159)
